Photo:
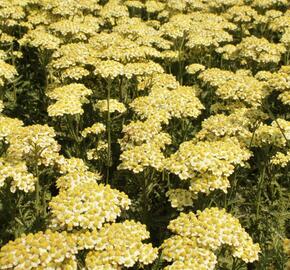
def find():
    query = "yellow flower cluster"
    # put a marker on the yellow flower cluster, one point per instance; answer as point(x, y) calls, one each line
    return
point(260, 50)
point(69, 99)
point(157, 81)
point(33, 144)
point(207, 163)
point(275, 134)
point(70, 165)
point(241, 14)
point(267, 4)
point(195, 68)
point(42, 250)
point(180, 198)
point(79, 27)
point(100, 151)
point(138, 132)
point(281, 159)
point(278, 81)
point(120, 244)
point(87, 205)
point(236, 124)
point(180, 102)
point(73, 179)
point(17, 171)
point(239, 86)
point(7, 72)
point(142, 156)
point(41, 39)
point(96, 128)
point(8, 126)
point(114, 106)
point(199, 236)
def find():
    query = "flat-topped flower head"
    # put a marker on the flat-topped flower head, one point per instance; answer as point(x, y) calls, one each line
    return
point(42, 250)
point(120, 244)
point(87, 205)
point(69, 99)
point(114, 106)
point(205, 233)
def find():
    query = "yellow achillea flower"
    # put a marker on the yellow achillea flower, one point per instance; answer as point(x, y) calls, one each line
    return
point(113, 10)
point(74, 73)
point(267, 4)
point(33, 143)
point(275, 134)
point(18, 172)
point(236, 124)
point(8, 126)
point(239, 86)
point(70, 7)
point(141, 156)
point(281, 159)
point(42, 250)
point(260, 50)
point(241, 14)
point(199, 236)
point(180, 102)
point(138, 132)
point(157, 81)
point(73, 179)
point(100, 151)
point(79, 27)
point(70, 165)
point(96, 128)
point(278, 81)
point(7, 72)
point(41, 39)
point(180, 198)
point(87, 205)
point(114, 106)
point(120, 244)
point(213, 161)
point(69, 99)
point(194, 68)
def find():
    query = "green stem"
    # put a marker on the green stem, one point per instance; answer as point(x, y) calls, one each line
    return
point(108, 130)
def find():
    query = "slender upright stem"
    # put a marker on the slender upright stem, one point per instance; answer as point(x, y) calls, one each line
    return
point(109, 85)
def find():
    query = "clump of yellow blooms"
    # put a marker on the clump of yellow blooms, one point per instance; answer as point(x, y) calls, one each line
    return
point(41, 39)
point(198, 236)
point(236, 124)
point(7, 72)
point(207, 163)
point(120, 244)
point(17, 171)
point(34, 143)
point(69, 99)
point(42, 250)
point(194, 68)
point(281, 159)
point(239, 86)
point(87, 205)
point(142, 156)
point(180, 102)
point(73, 179)
point(179, 198)
point(260, 50)
point(113, 106)
point(277, 134)
point(96, 128)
